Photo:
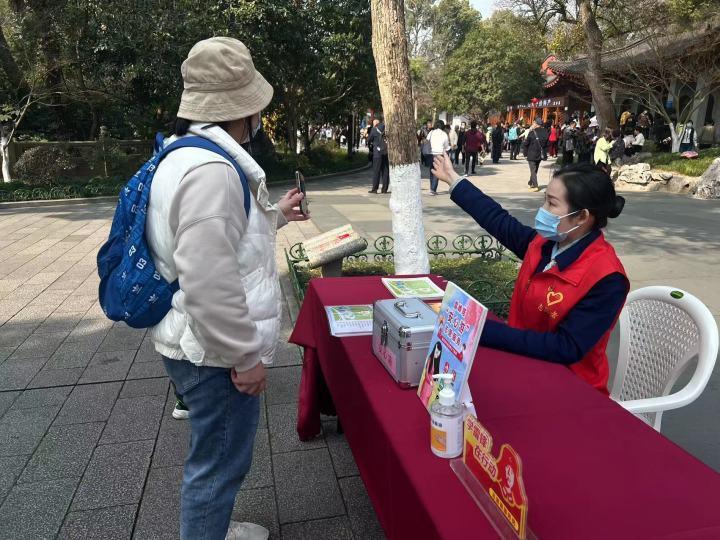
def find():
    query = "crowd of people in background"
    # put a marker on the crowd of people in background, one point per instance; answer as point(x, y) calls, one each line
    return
point(576, 140)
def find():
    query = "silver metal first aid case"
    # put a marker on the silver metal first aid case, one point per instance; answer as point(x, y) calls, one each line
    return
point(402, 328)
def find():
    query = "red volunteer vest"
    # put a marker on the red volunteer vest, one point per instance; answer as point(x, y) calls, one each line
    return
point(541, 301)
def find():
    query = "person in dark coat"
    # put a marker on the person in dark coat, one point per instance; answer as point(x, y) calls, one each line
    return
point(474, 142)
point(568, 143)
point(460, 144)
point(381, 166)
point(498, 136)
point(535, 150)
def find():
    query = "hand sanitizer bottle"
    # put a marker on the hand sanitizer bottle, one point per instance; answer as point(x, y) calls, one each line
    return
point(446, 422)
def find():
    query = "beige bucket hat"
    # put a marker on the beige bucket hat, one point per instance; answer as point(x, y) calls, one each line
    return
point(221, 83)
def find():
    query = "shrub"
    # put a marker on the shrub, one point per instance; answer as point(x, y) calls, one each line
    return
point(43, 165)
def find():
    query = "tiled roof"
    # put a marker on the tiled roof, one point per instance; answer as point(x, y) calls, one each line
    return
point(643, 49)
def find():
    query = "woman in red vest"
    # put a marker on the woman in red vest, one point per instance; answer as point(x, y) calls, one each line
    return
point(571, 285)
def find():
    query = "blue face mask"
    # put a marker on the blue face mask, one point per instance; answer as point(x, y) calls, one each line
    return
point(546, 224)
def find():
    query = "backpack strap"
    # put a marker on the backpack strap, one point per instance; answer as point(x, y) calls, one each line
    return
point(205, 144)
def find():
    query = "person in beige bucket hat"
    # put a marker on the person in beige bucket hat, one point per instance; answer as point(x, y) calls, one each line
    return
point(224, 324)
point(221, 83)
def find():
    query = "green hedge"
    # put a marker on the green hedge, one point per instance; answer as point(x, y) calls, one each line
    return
point(96, 187)
point(322, 159)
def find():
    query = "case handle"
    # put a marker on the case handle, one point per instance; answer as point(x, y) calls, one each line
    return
point(400, 306)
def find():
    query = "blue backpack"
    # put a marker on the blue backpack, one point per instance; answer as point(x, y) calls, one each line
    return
point(131, 288)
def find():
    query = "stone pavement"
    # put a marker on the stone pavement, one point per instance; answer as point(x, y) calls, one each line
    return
point(662, 239)
point(87, 445)
point(88, 448)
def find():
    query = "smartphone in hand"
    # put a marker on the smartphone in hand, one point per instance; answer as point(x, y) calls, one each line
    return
point(300, 184)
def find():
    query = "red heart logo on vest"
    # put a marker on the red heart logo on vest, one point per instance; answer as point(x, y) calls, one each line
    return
point(554, 298)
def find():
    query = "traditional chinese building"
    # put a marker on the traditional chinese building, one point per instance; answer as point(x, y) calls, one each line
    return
point(564, 95)
point(659, 60)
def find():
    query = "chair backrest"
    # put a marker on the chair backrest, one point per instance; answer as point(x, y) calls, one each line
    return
point(661, 330)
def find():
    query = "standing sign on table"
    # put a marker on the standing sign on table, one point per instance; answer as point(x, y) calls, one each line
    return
point(453, 345)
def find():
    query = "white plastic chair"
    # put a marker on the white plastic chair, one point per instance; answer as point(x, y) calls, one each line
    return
point(661, 330)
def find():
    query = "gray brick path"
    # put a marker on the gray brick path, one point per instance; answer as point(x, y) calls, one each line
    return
point(87, 445)
point(88, 448)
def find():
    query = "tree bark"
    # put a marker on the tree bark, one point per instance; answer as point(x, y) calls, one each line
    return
point(390, 50)
point(593, 74)
point(11, 69)
point(6, 133)
point(675, 137)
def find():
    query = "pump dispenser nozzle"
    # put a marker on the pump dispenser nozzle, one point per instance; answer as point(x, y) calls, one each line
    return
point(446, 395)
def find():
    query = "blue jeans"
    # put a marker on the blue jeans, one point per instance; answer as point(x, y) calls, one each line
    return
point(433, 178)
point(223, 424)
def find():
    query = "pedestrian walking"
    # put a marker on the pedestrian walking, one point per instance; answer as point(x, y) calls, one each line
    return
point(553, 140)
point(453, 137)
point(497, 141)
point(474, 142)
point(617, 153)
point(460, 143)
point(535, 149)
point(439, 144)
point(381, 165)
point(514, 141)
point(423, 142)
point(584, 144)
point(568, 143)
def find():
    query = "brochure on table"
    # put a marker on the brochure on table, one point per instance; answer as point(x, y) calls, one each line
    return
point(495, 483)
point(422, 287)
point(453, 345)
point(350, 320)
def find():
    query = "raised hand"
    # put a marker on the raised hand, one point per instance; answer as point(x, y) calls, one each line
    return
point(444, 170)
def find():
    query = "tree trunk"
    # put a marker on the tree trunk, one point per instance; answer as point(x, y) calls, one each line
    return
point(675, 136)
point(12, 70)
point(350, 139)
point(593, 74)
point(306, 137)
point(393, 72)
point(5, 146)
point(291, 125)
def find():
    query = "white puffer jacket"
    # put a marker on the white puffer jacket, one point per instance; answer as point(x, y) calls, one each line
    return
point(176, 336)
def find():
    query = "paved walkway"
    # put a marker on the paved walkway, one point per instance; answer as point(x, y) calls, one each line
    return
point(87, 445)
point(662, 239)
point(88, 448)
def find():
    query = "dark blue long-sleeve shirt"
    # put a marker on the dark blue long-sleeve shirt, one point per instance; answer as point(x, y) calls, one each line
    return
point(584, 324)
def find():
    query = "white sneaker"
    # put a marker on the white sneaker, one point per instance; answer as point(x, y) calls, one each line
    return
point(246, 531)
point(180, 412)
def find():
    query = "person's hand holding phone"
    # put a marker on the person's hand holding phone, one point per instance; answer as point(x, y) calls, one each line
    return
point(290, 206)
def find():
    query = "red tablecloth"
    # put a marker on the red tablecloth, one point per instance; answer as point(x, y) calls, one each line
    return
point(592, 470)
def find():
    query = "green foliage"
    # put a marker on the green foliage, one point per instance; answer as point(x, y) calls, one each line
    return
point(62, 189)
point(322, 159)
point(115, 64)
point(688, 167)
point(43, 165)
point(498, 63)
point(434, 31)
point(45, 172)
point(567, 41)
point(692, 10)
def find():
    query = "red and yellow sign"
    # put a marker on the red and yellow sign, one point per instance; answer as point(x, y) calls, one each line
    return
point(500, 477)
